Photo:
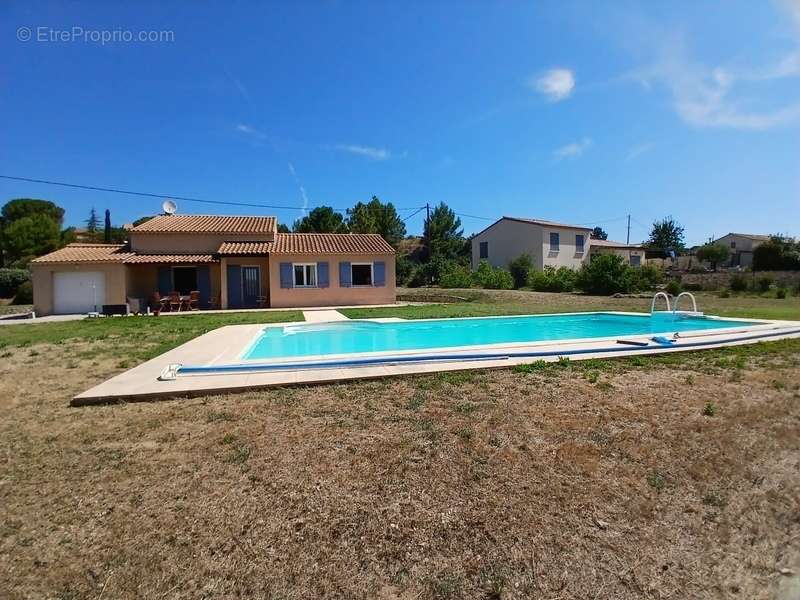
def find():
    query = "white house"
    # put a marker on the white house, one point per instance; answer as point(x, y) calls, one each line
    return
point(548, 243)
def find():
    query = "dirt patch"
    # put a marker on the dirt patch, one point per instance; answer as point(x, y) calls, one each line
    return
point(554, 483)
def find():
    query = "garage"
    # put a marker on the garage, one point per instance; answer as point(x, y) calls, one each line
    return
point(78, 292)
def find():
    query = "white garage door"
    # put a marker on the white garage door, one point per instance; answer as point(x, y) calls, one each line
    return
point(78, 292)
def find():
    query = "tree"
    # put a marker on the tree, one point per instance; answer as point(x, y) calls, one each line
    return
point(666, 235)
point(778, 254)
point(29, 237)
point(713, 253)
point(141, 220)
point(92, 223)
point(376, 217)
point(107, 228)
point(22, 210)
point(322, 219)
point(598, 233)
point(443, 236)
point(282, 228)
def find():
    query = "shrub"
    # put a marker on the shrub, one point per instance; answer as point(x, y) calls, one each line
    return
point(764, 283)
point(519, 268)
point(553, 280)
point(738, 283)
point(606, 274)
point(780, 293)
point(24, 293)
point(724, 294)
point(492, 278)
point(404, 269)
point(651, 274)
point(693, 287)
point(673, 287)
point(455, 275)
point(10, 280)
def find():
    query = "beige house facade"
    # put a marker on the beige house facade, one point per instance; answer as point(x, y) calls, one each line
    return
point(225, 262)
point(548, 243)
point(634, 254)
point(741, 246)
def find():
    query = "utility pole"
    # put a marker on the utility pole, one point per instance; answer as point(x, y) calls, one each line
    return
point(428, 225)
point(628, 238)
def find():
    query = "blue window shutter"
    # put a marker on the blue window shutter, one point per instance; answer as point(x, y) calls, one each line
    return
point(234, 286)
point(286, 275)
point(323, 279)
point(379, 274)
point(344, 274)
point(164, 280)
point(204, 284)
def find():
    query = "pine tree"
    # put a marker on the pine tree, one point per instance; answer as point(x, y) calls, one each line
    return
point(92, 223)
point(107, 229)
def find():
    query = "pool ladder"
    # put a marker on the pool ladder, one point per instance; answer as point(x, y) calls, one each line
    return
point(674, 307)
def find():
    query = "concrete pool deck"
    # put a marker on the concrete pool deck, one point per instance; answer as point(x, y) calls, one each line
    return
point(225, 346)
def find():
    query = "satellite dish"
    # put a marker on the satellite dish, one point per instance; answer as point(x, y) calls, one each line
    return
point(169, 207)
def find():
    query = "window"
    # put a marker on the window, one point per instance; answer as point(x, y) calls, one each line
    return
point(636, 260)
point(733, 245)
point(554, 242)
point(578, 243)
point(361, 274)
point(483, 249)
point(184, 280)
point(305, 274)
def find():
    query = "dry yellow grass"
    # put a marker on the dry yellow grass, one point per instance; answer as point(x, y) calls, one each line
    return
point(595, 481)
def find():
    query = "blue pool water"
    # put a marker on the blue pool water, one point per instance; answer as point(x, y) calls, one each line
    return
point(363, 336)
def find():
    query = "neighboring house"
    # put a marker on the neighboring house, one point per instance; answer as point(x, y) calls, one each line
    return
point(546, 242)
point(634, 254)
point(741, 246)
point(234, 262)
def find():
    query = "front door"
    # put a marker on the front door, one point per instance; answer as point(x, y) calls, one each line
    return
point(251, 286)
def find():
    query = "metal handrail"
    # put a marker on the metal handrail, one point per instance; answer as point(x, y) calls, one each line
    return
point(677, 299)
point(655, 297)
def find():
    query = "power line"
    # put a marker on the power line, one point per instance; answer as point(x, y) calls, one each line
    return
point(163, 196)
point(419, 210)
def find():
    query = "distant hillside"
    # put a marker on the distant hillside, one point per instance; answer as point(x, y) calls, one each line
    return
point(411, 247)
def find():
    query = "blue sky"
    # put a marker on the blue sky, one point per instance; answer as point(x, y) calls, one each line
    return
point(577, 112)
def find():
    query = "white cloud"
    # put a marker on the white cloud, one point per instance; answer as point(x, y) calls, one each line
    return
point(573, 150)
point(302, 189)
point(639, 149)
point(250, 130)
point(555, 84)
point(367, 151)
point(724, 96)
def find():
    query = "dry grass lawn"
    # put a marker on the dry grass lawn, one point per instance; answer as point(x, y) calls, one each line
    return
point(598, 480)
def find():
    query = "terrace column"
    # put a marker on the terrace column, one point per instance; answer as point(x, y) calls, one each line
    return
point(223, 282)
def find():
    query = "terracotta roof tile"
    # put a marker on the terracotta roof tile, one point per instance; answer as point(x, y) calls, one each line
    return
point(91, 253)
point(207, 224)
point(330, 243)
point(244, 248)
point(170, 258)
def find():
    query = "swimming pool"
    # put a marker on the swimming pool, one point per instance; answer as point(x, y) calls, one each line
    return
point(351, 337)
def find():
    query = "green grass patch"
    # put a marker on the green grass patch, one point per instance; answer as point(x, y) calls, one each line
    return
point(139, 338)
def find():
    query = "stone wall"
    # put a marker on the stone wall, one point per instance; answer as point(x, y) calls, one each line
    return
point(722, 279)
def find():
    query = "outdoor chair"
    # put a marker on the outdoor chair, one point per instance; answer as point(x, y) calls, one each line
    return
point(213, 303)
point(194, 300)
point(155, 303)
point(174, 301)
